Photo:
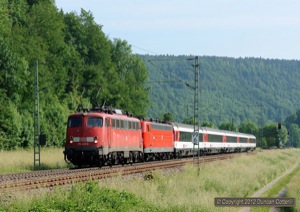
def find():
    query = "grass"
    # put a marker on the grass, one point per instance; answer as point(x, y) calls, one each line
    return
point(293, 191)
point(240, 177)
point(23, 160)
point(163, 190)
point(83, 197)
point(272, 192)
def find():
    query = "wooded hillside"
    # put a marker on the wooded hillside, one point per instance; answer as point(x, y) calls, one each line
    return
point(231, 89)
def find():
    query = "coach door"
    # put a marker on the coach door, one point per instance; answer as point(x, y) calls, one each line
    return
point(108, 130)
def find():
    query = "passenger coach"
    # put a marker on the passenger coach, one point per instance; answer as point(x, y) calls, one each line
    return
point(210, 140)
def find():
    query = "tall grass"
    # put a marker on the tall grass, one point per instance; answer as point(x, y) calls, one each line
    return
point(23, 160)
point(188, 191)
point(293, 190)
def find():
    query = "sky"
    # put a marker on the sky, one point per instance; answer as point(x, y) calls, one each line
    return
point(269, 29)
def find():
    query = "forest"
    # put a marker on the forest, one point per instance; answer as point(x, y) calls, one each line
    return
point(76, 61)
point(79, 65)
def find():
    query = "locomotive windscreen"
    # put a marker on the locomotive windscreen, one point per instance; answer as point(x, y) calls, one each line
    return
point(75, 122)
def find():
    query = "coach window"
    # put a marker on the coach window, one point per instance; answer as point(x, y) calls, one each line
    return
point(126, 125)
point(129, 125)
point(136, 125)
point(243, 140)
point(200, 137)
point(231, 139)
point(214, 138)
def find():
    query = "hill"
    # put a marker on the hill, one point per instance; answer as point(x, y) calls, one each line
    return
point(231, 89)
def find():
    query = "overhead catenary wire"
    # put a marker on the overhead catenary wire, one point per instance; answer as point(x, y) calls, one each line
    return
point(177, 78)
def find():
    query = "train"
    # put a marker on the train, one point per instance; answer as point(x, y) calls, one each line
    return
point(107, 136)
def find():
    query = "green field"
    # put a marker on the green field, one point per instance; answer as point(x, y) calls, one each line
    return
point(23, 160)
point(187, 190)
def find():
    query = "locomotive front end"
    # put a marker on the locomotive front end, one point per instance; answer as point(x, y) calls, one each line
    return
point(84, 139)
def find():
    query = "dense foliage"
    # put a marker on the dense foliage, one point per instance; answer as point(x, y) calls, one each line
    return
point(78, 64)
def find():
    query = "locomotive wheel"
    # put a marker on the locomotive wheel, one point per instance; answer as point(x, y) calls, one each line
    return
point(100, 163)
point(130, 158)
point(123, 161)
point(109, 162)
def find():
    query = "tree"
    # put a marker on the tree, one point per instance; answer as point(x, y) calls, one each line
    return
point(282, 136)
point(249, 128)
point(188, 121)
point(228, 126)
point(271, 135)
point(297, 121)
point(294, 136)
point(10, 124)
point(167, 117)
point(5, 20)
point(132, 76)
point(208, 124)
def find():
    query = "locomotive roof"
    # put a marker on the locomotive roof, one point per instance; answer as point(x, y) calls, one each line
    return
point(119, 114)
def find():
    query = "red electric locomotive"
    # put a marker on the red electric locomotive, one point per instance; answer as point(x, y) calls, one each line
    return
point(103, 137)
point(158, 140)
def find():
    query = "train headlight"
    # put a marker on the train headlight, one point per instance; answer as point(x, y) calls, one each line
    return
point(96, 139)
point(71, 139)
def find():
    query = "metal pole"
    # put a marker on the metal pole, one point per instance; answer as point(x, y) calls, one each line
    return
point(196, 108)
point(36, 143)
point(197, 82)
point(262, 127)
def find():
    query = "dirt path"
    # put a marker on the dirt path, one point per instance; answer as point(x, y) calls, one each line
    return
point(268, 186)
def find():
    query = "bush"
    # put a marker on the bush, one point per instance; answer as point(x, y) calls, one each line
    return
point(87, 197)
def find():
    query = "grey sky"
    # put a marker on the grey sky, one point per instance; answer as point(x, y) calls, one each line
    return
point(232, 28)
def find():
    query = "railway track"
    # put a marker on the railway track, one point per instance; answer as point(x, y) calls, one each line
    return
point(52, 178)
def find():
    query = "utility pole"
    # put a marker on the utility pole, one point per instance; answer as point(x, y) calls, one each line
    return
point(196, 110)
point(36, 143)
point(196, 107)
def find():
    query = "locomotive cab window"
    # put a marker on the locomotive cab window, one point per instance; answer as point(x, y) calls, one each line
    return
point(94, 122)
point(74, 122)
